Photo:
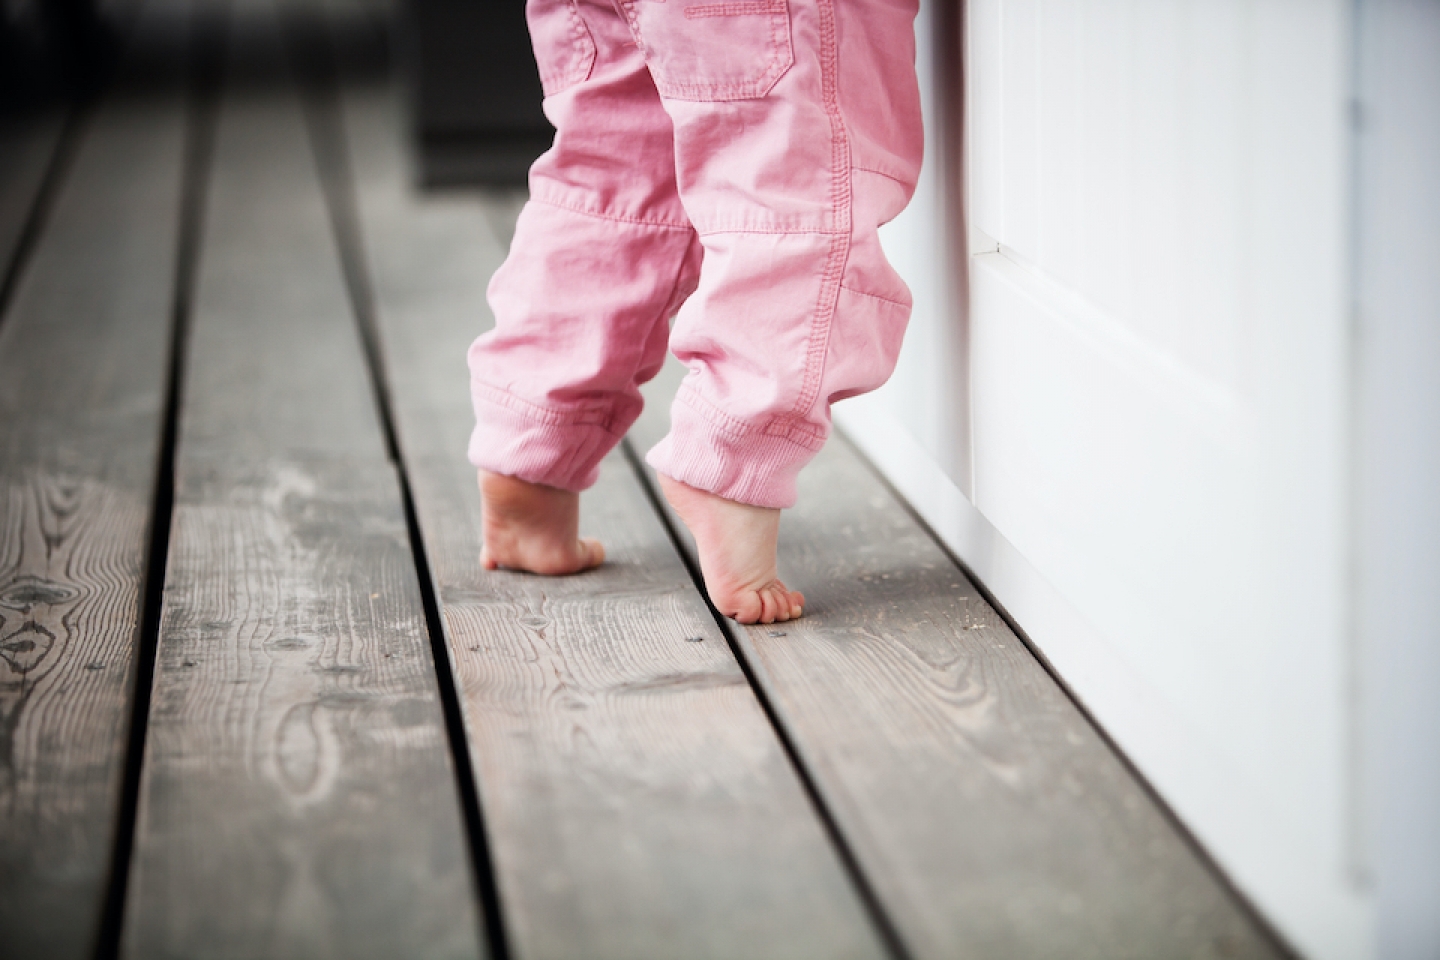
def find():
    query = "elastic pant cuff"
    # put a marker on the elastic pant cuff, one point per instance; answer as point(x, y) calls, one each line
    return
point(744, 464)
point(538, 446)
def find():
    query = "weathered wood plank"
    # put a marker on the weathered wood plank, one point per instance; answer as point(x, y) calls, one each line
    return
point(27, 147)
point(989, 815)
point(637, 801)
point(83, 369)
point(298, 797)
point(298, 800)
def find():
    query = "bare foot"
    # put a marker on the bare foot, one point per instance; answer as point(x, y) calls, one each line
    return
point(529, 526)
point(737, 554)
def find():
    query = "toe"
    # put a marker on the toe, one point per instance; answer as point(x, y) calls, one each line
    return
point(776, 603)
point(747, 607)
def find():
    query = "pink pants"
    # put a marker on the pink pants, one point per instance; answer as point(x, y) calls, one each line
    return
point(725, 164)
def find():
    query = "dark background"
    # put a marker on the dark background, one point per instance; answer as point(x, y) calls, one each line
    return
point(475, 90)
point(469, 73)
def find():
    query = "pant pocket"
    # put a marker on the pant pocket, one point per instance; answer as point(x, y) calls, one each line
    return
point(564, 48)
point(697, 50)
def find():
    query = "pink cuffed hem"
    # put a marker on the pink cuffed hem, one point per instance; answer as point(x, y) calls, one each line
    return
point(558, 449)
point(730, 460)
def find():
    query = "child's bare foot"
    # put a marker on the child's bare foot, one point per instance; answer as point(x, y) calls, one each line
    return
point(529, 526)
point(736, 542)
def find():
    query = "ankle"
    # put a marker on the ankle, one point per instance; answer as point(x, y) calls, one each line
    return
point(534, 527)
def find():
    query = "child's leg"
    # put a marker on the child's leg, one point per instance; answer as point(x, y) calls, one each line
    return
point(788, 157)
point(602, 257)
point(797, 133)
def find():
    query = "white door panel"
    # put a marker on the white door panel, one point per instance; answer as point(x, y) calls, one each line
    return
point(1149, 524)
point(928, 391)
point(1156, 346)
point(1157, 367)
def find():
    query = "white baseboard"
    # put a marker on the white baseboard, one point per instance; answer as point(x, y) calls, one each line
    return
point(1319, 912)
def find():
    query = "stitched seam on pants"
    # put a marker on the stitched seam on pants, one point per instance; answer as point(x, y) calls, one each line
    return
point(771, 231)
point(547, 416)
point(874, 296)
point(636, 221)
point(802, 435)
point(676, 301)
point(884, 173)
point(581, 62)
point(781, 58)
point(840, 197)
point(796, 431)
point(726, 424)
point(701, 11)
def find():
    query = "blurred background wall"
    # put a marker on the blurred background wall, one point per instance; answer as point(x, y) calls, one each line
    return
point(50, 49)
point(475, 91)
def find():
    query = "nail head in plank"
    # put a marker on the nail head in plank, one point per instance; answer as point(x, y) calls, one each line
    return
point(988, 814)
point(298, 797)
point(83, 367)
point(637, 800)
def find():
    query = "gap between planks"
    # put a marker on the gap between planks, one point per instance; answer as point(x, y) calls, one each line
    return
point(361, 43)
point(82, 385)
point(297, 798)
point(638, 800)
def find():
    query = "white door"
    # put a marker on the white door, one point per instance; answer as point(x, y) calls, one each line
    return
point(1154, 481)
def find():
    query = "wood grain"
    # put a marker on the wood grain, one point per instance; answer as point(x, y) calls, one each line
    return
point(83, 367)
point(989, 815)
point(637, 801)
point(298, 800)
point(298, 797)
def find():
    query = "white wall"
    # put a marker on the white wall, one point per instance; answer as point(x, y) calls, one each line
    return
point(929, 391)
point(1139, 435)
point(1397, 364)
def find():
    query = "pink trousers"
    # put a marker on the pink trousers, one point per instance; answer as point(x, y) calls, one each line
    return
point(725, 164)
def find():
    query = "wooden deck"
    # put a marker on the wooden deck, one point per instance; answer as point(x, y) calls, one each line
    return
point(258, 698)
